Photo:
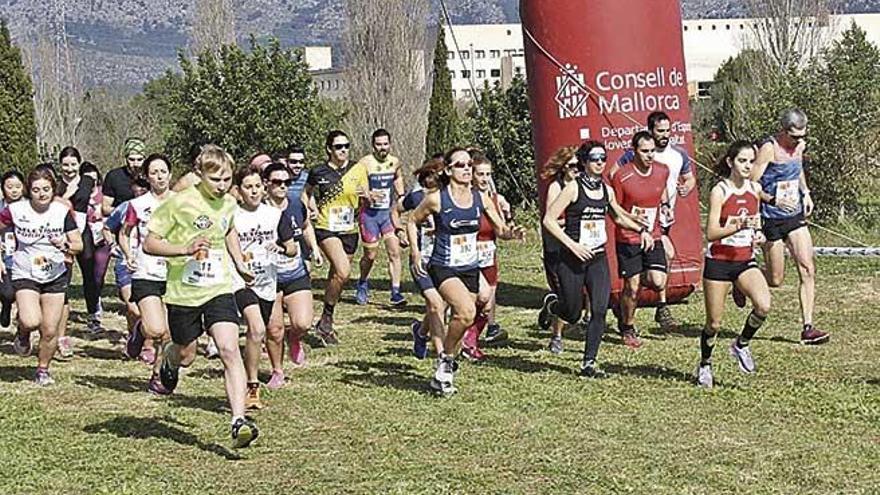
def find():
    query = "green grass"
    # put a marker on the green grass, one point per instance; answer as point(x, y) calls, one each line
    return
point(359, 419)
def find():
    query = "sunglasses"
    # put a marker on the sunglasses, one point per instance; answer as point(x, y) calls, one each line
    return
point(296, 162)
point(281, 182)
point(597, 157)
point(798, 137)
point(340, 147)
point(462, 164)
point(573, 165)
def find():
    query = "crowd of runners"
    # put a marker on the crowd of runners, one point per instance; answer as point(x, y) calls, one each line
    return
point(226, 245)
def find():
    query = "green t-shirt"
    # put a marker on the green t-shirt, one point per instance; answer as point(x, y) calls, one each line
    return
point(195, 280)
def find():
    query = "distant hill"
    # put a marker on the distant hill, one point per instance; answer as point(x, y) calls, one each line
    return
point(125, 42)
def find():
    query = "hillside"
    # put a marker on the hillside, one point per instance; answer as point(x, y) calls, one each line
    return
point(125, 41)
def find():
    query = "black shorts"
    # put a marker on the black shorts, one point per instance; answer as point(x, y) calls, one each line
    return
point(726, 271)
point(631, 260)
point(146, 288)
point(188, 322)
point(470, 278)
point(776, 229)
point(247, 297)
point(57, 286)
point(296, 285)
point(349, 241)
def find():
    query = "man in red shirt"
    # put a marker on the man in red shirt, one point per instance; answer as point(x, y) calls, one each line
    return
point(640, 187)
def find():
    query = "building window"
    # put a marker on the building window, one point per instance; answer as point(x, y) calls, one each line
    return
point(699, 28)
point(685, 28)
point(465, 93)
point(452, 74)
point(518, 70)
point(495, 53)
point(479, 53)
point(703, 88)
point(465, 55)
point(509, 32)
point(496, 72)
point(481, 74)
point(465, 74)
point(509, 53)
point(450, 55)
point(453, 93)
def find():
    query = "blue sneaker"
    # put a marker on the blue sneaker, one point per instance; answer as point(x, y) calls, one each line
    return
point(397, 299)
point(420, 343)
point(363, 292)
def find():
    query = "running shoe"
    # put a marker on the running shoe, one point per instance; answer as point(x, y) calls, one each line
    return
point(134, 344)
point(556, 346)
point(6, 315)
point(470, 347)
point(21, 344)
point(168, 374)
point(743, 356)
point(443, 376)
point(397, 299)
point(155, 387)
point(631, 339)
point(813, 336)
point(244, 432)
point(738, 297)
point(362, 294)
point(64, 350)
point(211, 350)
point(704, 376)
point(43, 378)
point(545, 317)
point(252, 400)
point(94, 324)
point(663, 317)
point(295, 350)
point(148, 356)
point(420, 342)
point(324, 331)
point(276, 381)
point(495, 334)
point(590, 370)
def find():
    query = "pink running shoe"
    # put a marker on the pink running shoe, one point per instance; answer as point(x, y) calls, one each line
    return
point(295, 350)
point(148, 356)
point(276, 381)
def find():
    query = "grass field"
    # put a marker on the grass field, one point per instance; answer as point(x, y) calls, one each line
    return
point(359, 419)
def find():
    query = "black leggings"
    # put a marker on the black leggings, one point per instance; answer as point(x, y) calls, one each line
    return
point(573, 276)
point(552, 250)
point(86, 262)
point(7, 293)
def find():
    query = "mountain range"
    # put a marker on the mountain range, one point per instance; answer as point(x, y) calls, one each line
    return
point(126, 42)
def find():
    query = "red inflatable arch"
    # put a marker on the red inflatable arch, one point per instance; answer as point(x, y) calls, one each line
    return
point(596, 69)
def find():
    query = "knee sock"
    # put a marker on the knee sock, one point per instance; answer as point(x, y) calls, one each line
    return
point(753, 323)
point(328, 309)
point(707, 344)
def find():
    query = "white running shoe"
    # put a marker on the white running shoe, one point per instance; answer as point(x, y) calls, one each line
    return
point(743, 356)
point(704, 376)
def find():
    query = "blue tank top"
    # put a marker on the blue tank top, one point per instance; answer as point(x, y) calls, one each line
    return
point(782, 178)
point(293, 268)
point(455, 235)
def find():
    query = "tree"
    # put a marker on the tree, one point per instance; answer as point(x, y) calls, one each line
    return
point(213, 26)
point(790, 33)
point(262, 99)
point(18, 130)
point(501, 125)
point(385, 77)
point(442, 116)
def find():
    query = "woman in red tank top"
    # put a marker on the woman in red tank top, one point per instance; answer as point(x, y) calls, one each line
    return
point(733, 229)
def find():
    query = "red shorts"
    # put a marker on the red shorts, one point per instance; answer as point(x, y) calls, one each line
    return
point(490, 273)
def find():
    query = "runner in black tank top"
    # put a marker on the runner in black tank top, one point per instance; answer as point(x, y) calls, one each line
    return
point(583, 263)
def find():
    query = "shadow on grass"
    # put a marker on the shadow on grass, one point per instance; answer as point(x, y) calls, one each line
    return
point(101, 353)
point(397, 337)
point(12, 374)
point(520, 296)
point(390, 320)
point(119, 383)
point(211, 404)
point(518, 363)
point(146, 428)
point(649, 371)
point(383, 374)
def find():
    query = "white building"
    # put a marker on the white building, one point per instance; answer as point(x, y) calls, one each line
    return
point(493, 52)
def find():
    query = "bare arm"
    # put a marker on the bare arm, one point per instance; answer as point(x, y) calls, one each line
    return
point(123, 239)
point(714, 230)
point(502, 230)
point(107, 205)
point(765, 156)
point(554, 209)
point(74, 242)
point(157, 246)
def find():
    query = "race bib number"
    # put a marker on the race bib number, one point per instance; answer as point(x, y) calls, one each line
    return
point(46, 268)
point(593, 233)
point(788, 192)
point(744, 237)
point(155, 266)
point(340, 219)
point(645, 216)
point(384, 200)
point(204, 269)
point(463, 250)
point(8, 243)
point(486, 253)
point(262, 264)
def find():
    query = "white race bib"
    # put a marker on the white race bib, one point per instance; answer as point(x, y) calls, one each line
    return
point(340, 218)
point(155, 266)
point(262, 264)
point(646, 216)
point(742, 238)
point(81, 220)
point(384, 201)
point(463, 250)
point(8, 243)
point(787, 191)
point(204, 269)
point(486, 253)
point(593, 233)
point(46, 268)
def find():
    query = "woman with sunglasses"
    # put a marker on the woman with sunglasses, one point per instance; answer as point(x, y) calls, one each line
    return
point(294, 284)
point(337, 188)
point(46, 234)
point(559, 173)
point(585, 203)
point(455, 266)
